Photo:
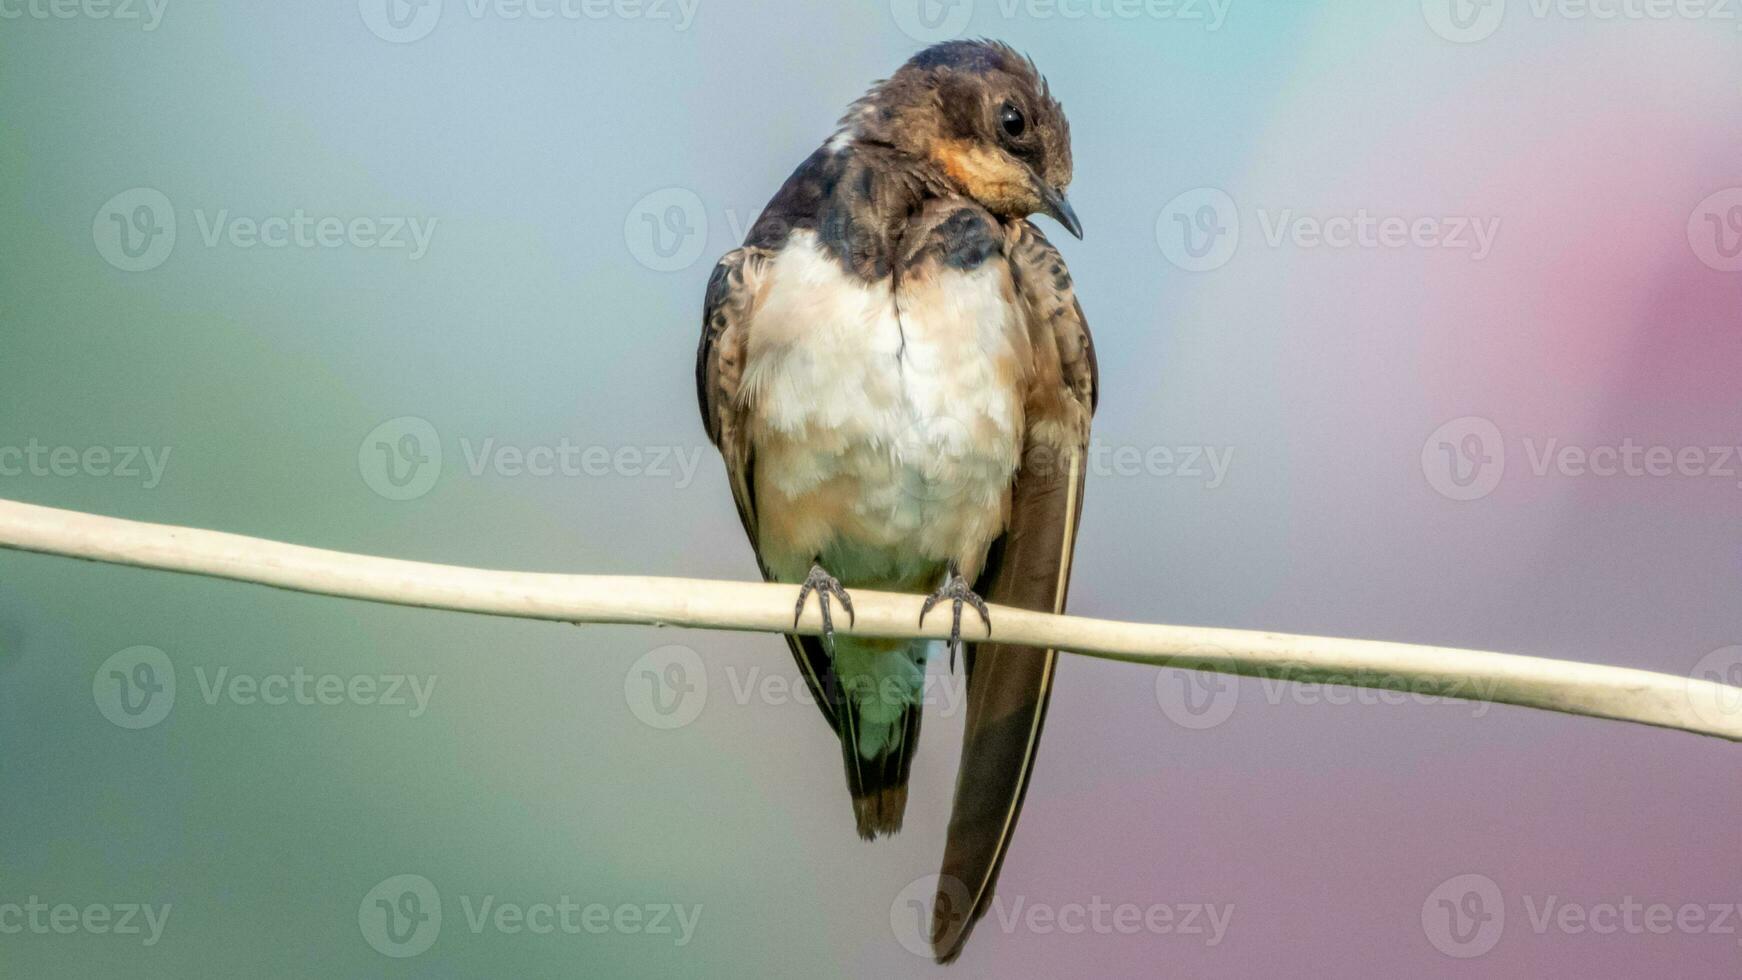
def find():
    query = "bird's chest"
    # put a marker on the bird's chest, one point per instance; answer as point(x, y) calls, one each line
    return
point(890, 411)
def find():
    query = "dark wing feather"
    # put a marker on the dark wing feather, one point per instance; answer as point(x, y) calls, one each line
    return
point(1029, 568)
point(734, 291)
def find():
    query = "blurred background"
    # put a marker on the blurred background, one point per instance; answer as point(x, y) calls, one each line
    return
point(1416, 322)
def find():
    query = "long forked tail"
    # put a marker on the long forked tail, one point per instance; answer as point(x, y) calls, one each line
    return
point(1007, 698)
point(1008, 690)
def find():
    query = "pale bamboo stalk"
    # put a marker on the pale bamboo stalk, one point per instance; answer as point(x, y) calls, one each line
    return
point(1644, 697)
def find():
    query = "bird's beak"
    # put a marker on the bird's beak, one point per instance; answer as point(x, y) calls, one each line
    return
point(1055, 206)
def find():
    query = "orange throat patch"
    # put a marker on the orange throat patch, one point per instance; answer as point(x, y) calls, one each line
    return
point(996, 181)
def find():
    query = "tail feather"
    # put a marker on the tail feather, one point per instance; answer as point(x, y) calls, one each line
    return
point(879, 786)
point(1008, 690)
point(879, 728)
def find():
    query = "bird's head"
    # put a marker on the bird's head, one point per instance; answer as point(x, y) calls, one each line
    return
point(984, 117)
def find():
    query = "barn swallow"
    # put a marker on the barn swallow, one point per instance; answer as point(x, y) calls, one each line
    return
point(899, 376)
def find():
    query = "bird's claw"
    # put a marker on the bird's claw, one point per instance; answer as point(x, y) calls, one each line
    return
point(956, 589)
point(824, 585)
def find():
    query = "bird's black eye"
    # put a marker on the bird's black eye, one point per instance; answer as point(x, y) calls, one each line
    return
point(1011, 120)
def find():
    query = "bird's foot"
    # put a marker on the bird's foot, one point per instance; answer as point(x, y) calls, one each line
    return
point(955, 589)
point(824, 585)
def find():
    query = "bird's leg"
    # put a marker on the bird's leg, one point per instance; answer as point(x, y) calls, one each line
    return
point(824, 585)
point(955, 589)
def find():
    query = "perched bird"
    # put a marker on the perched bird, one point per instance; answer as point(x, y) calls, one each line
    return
point(898, 374)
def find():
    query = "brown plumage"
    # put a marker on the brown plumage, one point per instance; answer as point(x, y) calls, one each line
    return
point(900, 380)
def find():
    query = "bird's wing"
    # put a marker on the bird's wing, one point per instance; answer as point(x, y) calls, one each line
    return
point(734, 292)
point(1028, 567)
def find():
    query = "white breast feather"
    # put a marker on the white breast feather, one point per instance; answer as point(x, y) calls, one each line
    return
point(906, 402)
